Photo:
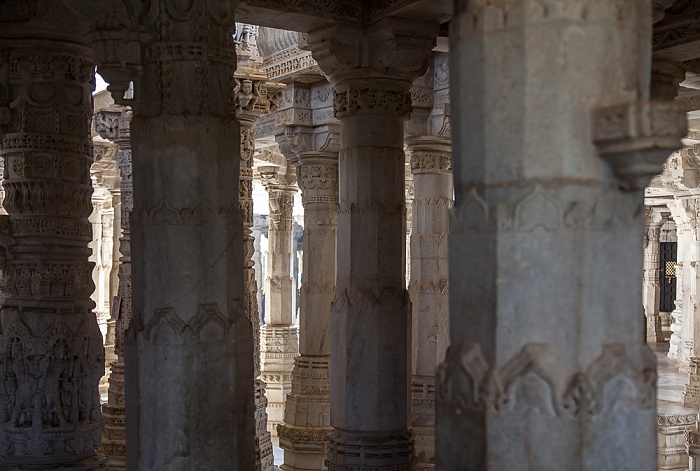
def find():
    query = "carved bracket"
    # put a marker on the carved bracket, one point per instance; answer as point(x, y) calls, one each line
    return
point(637, 138)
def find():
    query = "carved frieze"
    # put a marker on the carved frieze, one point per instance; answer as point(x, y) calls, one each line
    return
point(467, 382)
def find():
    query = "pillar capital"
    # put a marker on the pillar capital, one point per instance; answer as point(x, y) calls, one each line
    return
point(392, 48)
point(430, 155)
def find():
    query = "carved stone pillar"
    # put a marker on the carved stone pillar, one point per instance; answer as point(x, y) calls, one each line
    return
point(280, 339)
point(675, 349)
point(189, 330)
point(536, 378)
point(255, 97)
point(307, 421)
point(651, 288)
point(431, 165)
point(372, 69)
point(50, 342)
point(115, 125)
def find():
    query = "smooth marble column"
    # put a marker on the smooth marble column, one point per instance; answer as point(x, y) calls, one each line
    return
point(547, 367)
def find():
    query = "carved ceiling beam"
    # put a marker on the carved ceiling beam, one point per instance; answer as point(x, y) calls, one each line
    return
point(677, 36)
point(306, 15)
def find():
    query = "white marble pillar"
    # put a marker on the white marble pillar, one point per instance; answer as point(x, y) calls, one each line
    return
point(651, 288)
point(431, 165)
point(371, 319)
point(115, 124)
point(307, 421)
point(189, 330)
point(279, 343)
point(553, 146)
point(50, 343)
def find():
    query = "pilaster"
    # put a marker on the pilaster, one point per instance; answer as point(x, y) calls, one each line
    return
point(549, 193)
point(372, 69)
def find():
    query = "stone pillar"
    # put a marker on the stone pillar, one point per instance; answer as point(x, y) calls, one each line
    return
point(431, 166)
point(372, 69)
point(51, 345)
point(307, 418)
point(258, 226)
point(692, 446)
point(189, 330)
point(651, 288)
point(280, 340)
point(547, 367)
point(115, 125)
point(675, 349)
point(688, 238)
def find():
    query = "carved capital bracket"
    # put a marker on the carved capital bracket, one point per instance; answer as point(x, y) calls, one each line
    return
point(636, 138)
point(395, 48)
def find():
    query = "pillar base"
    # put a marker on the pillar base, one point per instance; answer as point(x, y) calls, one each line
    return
point(655, 332)
point(692, 448)
point(673, 422)
point(691, 391)
point(307, 421)
point(94, 463)
point(423, 422)
point(264, 457)
point(368, 452)
point(279, 348)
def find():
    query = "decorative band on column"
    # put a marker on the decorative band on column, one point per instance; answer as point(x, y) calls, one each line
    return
point(391, 99)
point(369, 453)
point(467, 383)
point(425, 161)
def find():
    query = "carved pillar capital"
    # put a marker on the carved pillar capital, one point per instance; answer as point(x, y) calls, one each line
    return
point(396, 48)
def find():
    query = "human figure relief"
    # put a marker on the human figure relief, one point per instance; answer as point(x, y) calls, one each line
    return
point(55, 379)
point(246, 95)
point(18, 385)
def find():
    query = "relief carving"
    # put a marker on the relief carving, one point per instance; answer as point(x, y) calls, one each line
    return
point(537, 380)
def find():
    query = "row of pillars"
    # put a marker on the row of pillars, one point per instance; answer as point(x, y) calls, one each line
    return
point(552, 147)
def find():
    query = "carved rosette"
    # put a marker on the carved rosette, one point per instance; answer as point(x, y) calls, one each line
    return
point(51, 346)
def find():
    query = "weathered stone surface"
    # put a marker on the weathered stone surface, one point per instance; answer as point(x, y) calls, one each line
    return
point(528, 217)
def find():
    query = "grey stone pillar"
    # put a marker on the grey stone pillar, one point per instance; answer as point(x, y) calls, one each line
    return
point(652, 288)
point(370, 320)
point(552, 151)
point(431, 165)
point(115, 125)
point(189, 329)
point(280, 339)
point(307, 419)
point(50, 343)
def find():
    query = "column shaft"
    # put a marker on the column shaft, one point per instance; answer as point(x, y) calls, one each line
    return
point(115, 125)
point(189, 330)
point(50, 341)
point(371, 310)
point(431, 166)
point(547, 367)
point(307, 422)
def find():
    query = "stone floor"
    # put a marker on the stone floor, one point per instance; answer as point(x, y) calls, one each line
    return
point(672, 417)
